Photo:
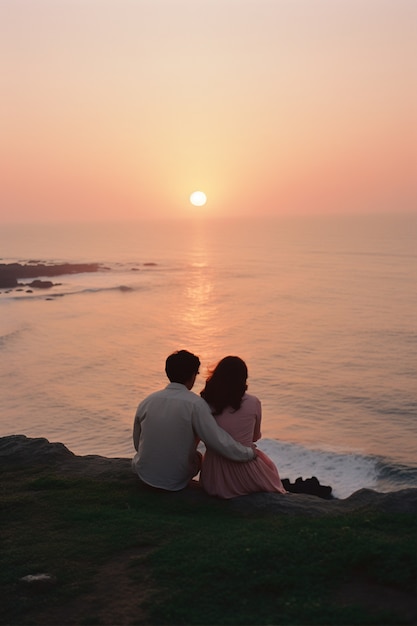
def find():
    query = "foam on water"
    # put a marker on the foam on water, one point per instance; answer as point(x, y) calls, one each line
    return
point(8, 336)
point(46, 294)
point(346, 473)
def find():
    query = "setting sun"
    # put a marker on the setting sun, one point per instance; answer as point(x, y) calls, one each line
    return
point(198, 198)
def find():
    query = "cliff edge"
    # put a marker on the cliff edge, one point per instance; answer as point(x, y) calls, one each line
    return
point(21, 451)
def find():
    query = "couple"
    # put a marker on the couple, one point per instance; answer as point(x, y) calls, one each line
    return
point(170, 423)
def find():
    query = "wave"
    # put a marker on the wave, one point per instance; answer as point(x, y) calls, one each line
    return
point(121, 288)
point(46, 295)
point(9, 336)
point(382, 255)
point(345, 472)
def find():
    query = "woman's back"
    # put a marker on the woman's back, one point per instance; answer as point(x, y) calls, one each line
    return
point(239, 414)
point(244, 425)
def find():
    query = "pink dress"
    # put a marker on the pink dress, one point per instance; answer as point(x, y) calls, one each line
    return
point(227, 479)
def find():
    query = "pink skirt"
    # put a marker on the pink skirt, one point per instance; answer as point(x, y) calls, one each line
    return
point(228, 479)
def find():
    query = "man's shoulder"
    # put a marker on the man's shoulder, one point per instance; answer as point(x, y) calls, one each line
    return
point(154, 394)
point(197, 400)
point(174, 390)
point(150, 397)
point(176, 393)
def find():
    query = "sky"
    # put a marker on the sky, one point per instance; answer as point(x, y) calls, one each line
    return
point(120, 109)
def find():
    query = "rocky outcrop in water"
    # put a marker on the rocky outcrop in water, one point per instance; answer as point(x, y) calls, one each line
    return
point(41, 284)
point(21, 451)
point(11, 272)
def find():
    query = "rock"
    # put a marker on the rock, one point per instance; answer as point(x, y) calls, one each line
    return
point(19, 450)
point(22, 451)
point(11, 272)
point(311, 486)
point(41, 284)
point(38, 583)
point(7, 277)
point(404, 501)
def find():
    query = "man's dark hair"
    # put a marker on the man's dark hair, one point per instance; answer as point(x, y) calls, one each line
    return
point(181, 366)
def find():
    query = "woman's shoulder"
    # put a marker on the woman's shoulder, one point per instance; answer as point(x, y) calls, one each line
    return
point(250, 401)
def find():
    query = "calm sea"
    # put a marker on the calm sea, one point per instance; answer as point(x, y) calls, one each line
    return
point(323, 310)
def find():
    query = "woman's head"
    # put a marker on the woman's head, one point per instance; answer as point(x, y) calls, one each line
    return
point(226, 384)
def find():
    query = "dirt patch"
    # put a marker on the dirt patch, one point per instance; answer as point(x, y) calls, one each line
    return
point(122, 587)
point(375, 597)
point(117, 597)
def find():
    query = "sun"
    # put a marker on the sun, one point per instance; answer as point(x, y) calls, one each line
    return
point(198, 198)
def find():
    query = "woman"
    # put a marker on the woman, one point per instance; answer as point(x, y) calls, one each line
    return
point(240, 415)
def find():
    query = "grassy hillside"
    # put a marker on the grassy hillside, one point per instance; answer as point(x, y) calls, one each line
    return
point(118, 555)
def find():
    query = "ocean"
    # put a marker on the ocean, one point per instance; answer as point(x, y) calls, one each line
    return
point(322, 309)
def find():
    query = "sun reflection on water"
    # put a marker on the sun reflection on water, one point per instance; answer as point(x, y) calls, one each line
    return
point(201, 315)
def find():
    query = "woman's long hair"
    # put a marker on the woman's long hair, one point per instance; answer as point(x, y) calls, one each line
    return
point(226, 385)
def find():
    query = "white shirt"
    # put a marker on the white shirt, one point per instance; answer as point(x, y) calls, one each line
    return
point(167, 427)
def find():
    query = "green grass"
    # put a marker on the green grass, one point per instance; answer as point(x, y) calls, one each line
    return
point(202, 563)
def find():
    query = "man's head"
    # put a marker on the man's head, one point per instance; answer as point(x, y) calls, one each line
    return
point(182, 367)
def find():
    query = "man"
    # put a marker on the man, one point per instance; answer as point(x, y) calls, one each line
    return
point(169, 424)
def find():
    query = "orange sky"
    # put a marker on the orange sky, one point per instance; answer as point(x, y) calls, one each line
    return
point(121, 108)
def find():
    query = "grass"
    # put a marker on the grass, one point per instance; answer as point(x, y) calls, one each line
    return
point(124, 556)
